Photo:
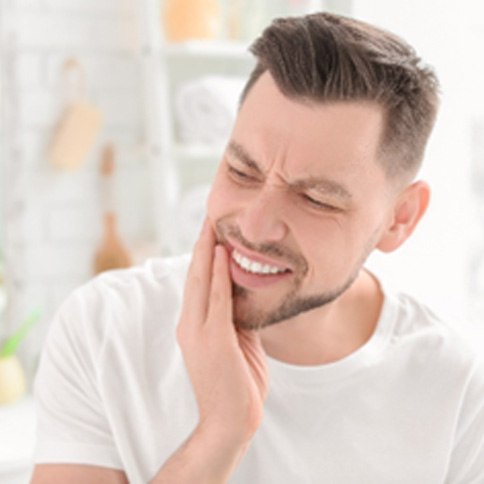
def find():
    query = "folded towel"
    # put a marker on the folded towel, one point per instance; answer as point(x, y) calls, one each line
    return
point(206, 108)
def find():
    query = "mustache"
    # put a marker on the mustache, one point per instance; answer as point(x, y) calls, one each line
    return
point(224, 230)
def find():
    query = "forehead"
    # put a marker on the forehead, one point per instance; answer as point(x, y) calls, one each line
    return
point(307, 136)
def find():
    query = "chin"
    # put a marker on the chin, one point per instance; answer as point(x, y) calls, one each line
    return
point(251, 314)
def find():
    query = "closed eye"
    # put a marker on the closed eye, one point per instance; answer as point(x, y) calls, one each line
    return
point(240, 175)
point(318, 204)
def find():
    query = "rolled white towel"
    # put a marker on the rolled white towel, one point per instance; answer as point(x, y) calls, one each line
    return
point(206, 108)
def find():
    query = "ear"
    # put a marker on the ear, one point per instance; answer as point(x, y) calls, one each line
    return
point(409, 208)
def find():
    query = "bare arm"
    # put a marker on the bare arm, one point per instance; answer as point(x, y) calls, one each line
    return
point(76, 474)
point(201, 459)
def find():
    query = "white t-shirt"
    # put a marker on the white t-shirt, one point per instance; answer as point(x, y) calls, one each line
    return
point(112, 390)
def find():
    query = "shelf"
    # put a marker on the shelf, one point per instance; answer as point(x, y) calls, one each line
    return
point(208, 49)
point(178, 167)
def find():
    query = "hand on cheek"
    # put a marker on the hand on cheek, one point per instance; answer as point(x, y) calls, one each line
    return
point(227, 367)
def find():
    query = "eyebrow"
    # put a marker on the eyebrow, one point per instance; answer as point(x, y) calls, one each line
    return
point(241, 154)
point(319, 184)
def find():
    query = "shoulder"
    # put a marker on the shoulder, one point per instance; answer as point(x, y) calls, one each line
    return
point(431, 339)
point(119, 302)
point(153, 274)
point(162, 278)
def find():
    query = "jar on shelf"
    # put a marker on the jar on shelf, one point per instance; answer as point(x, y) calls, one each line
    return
point(191, 19)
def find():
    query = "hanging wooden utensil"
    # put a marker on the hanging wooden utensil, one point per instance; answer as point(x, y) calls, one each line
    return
point(79, 125)
point(112, 252)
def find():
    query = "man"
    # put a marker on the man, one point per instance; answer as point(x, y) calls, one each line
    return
point(277, 358)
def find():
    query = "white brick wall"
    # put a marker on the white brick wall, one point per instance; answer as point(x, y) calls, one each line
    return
point(54, 216)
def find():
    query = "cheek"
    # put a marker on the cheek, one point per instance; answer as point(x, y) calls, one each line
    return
point(330, 247)
point(318, 235)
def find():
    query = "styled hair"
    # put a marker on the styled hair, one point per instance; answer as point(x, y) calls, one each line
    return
point(324, 57)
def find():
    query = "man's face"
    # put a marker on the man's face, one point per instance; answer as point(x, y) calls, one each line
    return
point(299, 200)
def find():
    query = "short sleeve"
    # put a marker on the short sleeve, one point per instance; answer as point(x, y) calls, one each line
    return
point(467, 460)
point(72, 426)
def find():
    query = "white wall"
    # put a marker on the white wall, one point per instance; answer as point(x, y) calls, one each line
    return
point(435, 263)
point(53, 223)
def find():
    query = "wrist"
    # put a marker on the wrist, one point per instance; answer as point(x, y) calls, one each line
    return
point(208, 456)
point(222, 438)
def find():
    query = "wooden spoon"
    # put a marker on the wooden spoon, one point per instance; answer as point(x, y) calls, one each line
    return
point(112, 252)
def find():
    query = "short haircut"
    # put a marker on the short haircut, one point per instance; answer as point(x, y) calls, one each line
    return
point(324, 57)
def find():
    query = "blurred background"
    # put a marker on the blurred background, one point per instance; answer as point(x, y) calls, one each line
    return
point(114, 114)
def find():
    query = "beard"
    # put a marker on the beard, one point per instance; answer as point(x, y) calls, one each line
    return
point(249, 316)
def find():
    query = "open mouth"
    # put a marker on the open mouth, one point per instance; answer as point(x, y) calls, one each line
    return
point(255, 267)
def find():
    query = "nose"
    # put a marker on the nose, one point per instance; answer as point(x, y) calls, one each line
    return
point(261, 220)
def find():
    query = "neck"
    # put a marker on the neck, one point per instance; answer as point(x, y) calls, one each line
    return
point(331, 332)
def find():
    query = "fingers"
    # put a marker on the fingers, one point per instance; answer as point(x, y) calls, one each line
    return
point(251, 345)
point(197, 285)
point(220, 307)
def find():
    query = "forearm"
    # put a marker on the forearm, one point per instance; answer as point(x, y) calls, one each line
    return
point(227, 370)
point(205, 457)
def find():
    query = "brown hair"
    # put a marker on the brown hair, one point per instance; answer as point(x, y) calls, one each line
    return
point(325, 57)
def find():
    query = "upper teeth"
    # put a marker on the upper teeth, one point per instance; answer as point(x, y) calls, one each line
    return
point(255, 267)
